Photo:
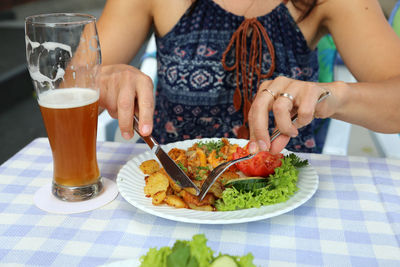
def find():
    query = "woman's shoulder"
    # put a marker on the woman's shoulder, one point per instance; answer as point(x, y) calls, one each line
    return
point(166, 13)
point(332, 16)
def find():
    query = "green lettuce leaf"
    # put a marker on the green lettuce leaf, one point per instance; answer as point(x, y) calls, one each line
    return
point(281, 186)
point(193, 253)
point(245, 261)
point(155, 257)
point(297, 161)
point(180, 256)
point(200, 250)
point(241, 261)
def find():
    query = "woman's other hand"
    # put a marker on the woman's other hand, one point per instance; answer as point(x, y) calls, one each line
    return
point(284, 97)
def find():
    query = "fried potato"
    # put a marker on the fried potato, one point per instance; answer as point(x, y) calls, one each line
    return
point(149, 166)
point(202, 208)
point(159, 197)
point(209, 199)
point(190, 190)
point(155, 183)
point(172, 183)
point(170, 191)
point(175, 201)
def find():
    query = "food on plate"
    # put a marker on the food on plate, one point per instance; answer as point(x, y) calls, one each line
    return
point(263, 164)
point(263, 180)
point(149, 166)
point(193, 253)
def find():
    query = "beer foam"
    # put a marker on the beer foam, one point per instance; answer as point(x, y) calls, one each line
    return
point(33, 67)
point(68, 98)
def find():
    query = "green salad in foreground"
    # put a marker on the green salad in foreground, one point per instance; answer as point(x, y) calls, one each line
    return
point(193, 253)
point(279, 187)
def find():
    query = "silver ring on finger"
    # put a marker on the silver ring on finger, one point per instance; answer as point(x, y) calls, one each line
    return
point(272, 93)
point(287, 95)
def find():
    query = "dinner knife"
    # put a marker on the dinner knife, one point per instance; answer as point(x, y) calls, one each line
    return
point(173, 170)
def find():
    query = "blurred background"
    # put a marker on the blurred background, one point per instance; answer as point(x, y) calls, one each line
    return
point(20, 119)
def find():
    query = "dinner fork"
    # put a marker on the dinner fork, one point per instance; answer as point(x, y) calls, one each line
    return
point(217, 171)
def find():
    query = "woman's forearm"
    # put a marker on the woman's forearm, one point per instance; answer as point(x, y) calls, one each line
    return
point(374, 105)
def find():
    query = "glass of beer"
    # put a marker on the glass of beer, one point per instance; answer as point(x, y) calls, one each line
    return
point(63, 56)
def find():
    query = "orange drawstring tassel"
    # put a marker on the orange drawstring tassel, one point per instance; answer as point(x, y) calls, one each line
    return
point(248, 67)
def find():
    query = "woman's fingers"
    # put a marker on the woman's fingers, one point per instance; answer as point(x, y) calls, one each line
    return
point(298, 98)
point(307, 102)
point(102, 83)
point(279, 143)
point(110, 96)
point(282, 109)
point(258, 119)
point(121, 87)
point(135, 89)
point(259, 113)
point(291, 97)
point(146, 105)
point(126, 107)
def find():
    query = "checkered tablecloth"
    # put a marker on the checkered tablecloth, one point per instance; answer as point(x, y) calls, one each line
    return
point(352, 220)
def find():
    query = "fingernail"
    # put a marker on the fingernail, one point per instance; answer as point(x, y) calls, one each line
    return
point(126, 135)
point(262, 145)
point(146, 129)
point(252, 148)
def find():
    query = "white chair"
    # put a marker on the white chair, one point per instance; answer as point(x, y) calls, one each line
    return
point(388, 144)
point(338, 136)
point(149, 61)
point(106, 127)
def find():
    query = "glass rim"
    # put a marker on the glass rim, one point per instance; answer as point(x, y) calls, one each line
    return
point(86, 18)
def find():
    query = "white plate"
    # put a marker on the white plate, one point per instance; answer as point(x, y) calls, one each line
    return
point(130, 181)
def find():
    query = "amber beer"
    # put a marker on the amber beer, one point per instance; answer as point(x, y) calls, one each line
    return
point(70, 118)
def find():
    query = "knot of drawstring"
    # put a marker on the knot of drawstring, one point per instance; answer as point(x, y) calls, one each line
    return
point(247, 65)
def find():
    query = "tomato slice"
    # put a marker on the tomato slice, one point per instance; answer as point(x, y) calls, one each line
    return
point(263, 164)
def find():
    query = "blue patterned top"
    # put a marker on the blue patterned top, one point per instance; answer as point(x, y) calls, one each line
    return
point(194, 96)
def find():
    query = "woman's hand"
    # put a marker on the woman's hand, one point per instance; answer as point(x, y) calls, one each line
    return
point(124, 90)
point(285, 96)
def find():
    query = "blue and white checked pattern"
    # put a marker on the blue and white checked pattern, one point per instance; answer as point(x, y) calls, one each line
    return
point(353, 219)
